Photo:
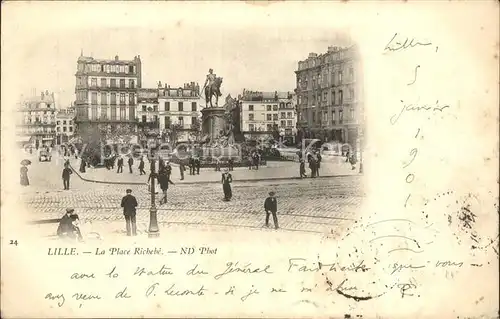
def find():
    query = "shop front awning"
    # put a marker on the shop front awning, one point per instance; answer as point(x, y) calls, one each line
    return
point(23, 139)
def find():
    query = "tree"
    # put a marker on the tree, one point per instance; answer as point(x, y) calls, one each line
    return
point(173, 132)
point(195, 129)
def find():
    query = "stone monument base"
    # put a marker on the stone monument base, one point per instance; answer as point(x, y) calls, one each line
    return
point(212, 122)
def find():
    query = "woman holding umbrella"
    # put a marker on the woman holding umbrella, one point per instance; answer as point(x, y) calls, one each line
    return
point(24, 172)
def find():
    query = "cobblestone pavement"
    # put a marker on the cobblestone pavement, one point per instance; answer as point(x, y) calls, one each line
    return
point(326, 205)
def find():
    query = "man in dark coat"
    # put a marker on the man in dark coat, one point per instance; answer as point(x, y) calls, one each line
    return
point(318, 163)
point(164, 181)
point(191, 165)
point(271, 207)
point(197, 164)
point(65, 176)
point(129, 204)
point(130, 163)
point(120, 165)
point(168, 168)
point(182, 168)
point(230, 163)
point(141, 167)
point(227, 179)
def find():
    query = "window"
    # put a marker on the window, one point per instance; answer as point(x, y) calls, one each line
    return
point(71, 128)
point(351, 94)
point(314, 117)
point(155, 118)
point(123, 113)
point(283, 115)
point(282, 105)
point(167, 121)
point(59, 129)
point(112, 83)
point(275, 117)
point(352, 114)
point(94, 97)
point(268, 107)
point(104, 98)
point(155, 108)
point(341, 97)
point(131, 99)
point(58, 122)
point(131, 113)
point(333, 97)
point(104, 82)
point(113, 99)
point(64, 122)
point(325, 96)
point(194, 119)
point(181, 106)
point(181, 120)
point(251, 127)
point(193, 106)
point(93, 82)
point(351, 73)
point(104, 112)
point(325, 117)
point(64, 128)
point(113, 112)
point(122, 83)
point(269, 127)
point(144, 119)
point(275, 107)
point(268, 117)
point(144, 108)
point(289, 115)
point(341, 116)
point(340, 77)
point(289, 123)
point(130, 69)
point(282, 123)
point(94, 112)
point(333, 78)
point(167, 106)
point(131, 84)
point(250, 117)
point(122, 98)
point(250, 107)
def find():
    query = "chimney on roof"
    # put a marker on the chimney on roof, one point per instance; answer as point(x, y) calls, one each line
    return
point(116, 58)
point(313, 55)
point(41, 95)
point(332, 49)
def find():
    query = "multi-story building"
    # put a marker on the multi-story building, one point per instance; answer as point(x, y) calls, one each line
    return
point(64, 125)
point(265, 113)
point(329, 96)
point(106, 94)
point(36, 124)
point(147, 109)
point(179, 110)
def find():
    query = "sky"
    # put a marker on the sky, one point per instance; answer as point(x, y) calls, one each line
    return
point(256, 58)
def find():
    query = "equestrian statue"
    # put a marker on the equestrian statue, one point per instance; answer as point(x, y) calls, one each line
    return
point(212, 88)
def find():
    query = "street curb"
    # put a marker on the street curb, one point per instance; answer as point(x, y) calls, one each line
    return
point(269, 179)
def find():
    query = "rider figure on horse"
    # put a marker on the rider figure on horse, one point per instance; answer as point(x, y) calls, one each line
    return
point(211, 80)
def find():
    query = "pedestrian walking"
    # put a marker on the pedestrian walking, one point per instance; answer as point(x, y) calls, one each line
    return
point(318, 163)
point(302, 169)
point(271, 207)
point(227, 179)
point(141, 167)
point(24, 176)
point(167, 168)
point(164, 181)
point(182, 168)
point(312, 166)
point(250, 162)
point(191, 165)
point(197, 164)
point(130, 163)
point(83, 165)
point(129, 204)
point(217, 165)
point(120, 165)
point(230, 163)
point(66, 173)
point(353, 161)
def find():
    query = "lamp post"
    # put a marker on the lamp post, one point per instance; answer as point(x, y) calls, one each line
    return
point(154, 231)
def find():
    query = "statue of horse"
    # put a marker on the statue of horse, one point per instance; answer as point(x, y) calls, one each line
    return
point(213, 89)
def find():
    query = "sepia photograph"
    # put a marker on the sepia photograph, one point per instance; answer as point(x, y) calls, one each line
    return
point(249, 159)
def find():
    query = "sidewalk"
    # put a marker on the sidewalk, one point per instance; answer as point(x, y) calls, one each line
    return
point(273, 171)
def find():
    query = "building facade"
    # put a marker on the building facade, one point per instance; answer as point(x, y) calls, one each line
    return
point(147, 110)
point(266, 113)
point(329, 96)
point(36, 122)
point(64, 125)
point(106, 94)
point(179, 110)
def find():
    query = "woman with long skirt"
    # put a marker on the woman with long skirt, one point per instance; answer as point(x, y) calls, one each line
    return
point(226, 185)
point(24, 176)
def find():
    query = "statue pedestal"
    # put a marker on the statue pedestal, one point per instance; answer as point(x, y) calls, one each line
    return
point(212, 121)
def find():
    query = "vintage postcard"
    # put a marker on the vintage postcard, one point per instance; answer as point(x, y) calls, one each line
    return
point(250, 159)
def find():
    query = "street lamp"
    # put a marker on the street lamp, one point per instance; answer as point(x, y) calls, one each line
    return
point(154, 231)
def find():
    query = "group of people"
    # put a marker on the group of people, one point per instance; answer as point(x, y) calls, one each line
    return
point(254, 160)
point(314, 160)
